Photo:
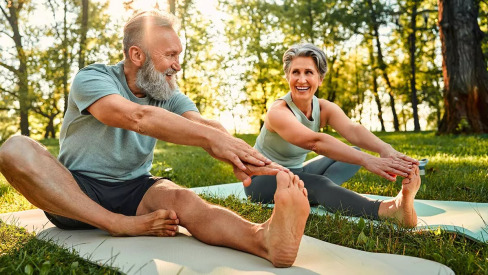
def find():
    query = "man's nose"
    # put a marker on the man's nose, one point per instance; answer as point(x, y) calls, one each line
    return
point(176, 66)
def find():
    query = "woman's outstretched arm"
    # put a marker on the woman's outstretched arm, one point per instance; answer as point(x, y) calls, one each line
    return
point(280, 120)
point(357, 134)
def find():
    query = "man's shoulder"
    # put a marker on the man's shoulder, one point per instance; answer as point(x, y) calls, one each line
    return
point(101, 68)
point(98, 72)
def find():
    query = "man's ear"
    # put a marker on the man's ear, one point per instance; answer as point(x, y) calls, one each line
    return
point(137, 56)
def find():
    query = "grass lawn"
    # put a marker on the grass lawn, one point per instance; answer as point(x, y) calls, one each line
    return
point(458, 170)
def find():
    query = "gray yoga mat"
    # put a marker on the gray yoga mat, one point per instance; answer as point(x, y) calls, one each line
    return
point(184, 254)
point(467, 218)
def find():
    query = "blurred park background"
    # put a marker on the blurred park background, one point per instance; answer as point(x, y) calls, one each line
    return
point(393, 65)
point(418, 66)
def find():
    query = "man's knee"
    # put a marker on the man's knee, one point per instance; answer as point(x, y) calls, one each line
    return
point(175, 194)
point(13, 146)
point(18, 150)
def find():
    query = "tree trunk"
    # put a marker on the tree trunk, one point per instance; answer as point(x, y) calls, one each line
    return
point(382, 65)
point(50, 132)
point(65, 58)
point(83, 32)
point(21, 72)
point(375, 87)
point(463, 67)
point(413, 39)
point(172, 6)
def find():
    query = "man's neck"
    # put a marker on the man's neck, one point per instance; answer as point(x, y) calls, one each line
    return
point(130, 72)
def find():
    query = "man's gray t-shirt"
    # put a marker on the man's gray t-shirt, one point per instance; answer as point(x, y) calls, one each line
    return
point(100, 151)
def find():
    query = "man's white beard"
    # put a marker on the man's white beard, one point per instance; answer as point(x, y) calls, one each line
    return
point(154, 83)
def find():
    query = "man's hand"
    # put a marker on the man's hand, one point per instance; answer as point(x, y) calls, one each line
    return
point(251, 170)
point(388, 168)
point(236, 152)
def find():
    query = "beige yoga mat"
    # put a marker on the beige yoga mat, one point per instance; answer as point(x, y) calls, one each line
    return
point(467, 218)
point(184, 254)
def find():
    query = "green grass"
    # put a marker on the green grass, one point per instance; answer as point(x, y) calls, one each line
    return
point(458, 170)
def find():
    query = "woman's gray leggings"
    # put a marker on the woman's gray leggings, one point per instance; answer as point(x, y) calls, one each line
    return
point(322, 178)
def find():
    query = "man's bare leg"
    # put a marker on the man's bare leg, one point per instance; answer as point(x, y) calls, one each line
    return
point(276, 240)
point(47, 184)
point(401, 207)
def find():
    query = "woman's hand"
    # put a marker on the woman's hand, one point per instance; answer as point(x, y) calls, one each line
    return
point(390, 152)
point(388, 168)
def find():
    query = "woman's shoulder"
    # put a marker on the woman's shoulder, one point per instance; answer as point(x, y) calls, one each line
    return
point(324, 103)
point(278, 104)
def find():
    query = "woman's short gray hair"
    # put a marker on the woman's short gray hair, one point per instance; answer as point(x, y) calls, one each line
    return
point(305, 50)
point(136, 28)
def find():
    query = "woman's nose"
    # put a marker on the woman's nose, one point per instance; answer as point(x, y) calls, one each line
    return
point(301, 79)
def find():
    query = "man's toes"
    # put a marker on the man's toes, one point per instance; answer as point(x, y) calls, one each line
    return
point(296, 180)
point(169, 233)
point(282, 180)
point(172, 215)
point(301, 185)
point(171, 227)
point(305, 192)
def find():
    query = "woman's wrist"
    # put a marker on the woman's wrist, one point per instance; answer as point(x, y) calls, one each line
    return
point(386, 150)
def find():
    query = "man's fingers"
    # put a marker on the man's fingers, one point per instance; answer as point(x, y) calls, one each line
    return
point(253, 157)
point(237, 162)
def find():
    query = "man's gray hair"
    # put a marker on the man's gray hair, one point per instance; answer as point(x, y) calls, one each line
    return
point(140, 24)
point(305, 50)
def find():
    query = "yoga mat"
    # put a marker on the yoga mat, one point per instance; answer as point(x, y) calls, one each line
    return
point(466, 218)
point(184, 254)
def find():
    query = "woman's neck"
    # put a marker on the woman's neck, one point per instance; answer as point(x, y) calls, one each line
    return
point(305, 106)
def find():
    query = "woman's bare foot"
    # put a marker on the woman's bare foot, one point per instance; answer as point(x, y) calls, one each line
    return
point(284, 230)
point(402, 207)
point(162, 223)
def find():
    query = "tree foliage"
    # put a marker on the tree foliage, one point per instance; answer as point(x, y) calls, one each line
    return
point(384, 57)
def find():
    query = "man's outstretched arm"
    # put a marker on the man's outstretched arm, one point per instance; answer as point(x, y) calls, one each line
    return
point(116, 111)
point(252, 170)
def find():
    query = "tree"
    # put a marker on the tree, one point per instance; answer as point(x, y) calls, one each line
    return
point(464, 68)
point(374, 79)
point(200, 65)
point(19, 68)
point(375, 12)
point(255, 40)
point(83, 32)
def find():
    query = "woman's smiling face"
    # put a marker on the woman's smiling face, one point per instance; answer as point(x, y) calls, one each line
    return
point(303, 78)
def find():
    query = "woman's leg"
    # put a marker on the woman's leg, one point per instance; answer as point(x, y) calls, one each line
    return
point(321, 190)
point(336, 171)
point(262, 189)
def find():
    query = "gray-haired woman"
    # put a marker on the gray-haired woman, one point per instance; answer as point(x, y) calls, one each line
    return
point(291, 130)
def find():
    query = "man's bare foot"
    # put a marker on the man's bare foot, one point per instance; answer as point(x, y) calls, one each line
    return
point(402, 207)
point(162, 223)
point(285, 227)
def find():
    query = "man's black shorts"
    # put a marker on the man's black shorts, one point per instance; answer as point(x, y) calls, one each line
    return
point(121, 197)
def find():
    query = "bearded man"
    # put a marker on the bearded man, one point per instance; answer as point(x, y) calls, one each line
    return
point(101, 178)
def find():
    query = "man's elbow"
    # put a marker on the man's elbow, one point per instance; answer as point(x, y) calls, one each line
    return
point(136, 119)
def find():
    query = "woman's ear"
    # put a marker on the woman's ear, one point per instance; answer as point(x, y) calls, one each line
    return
point(137, 56)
